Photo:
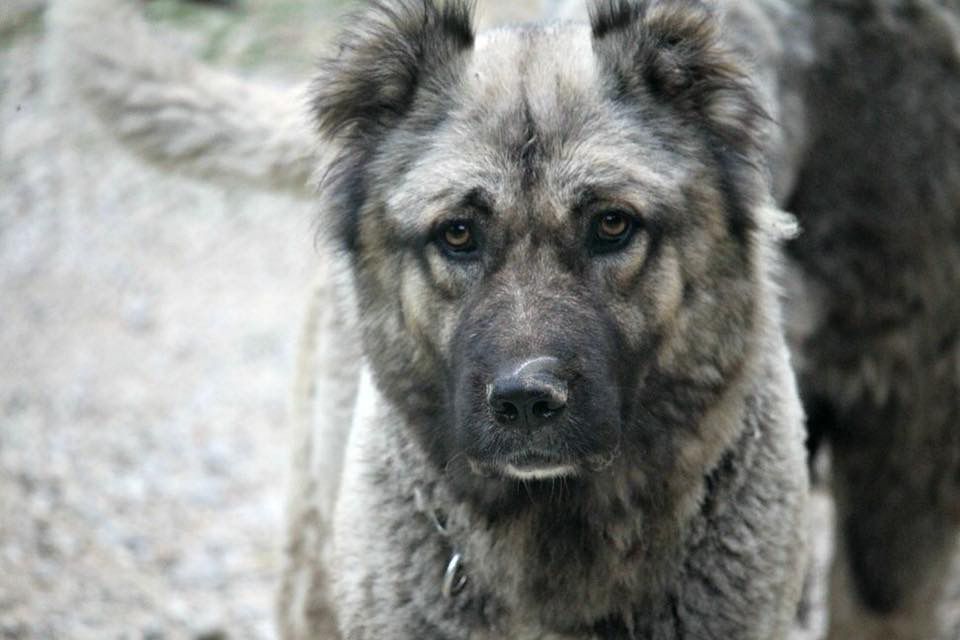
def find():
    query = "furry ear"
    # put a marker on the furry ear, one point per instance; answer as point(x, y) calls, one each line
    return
point(392, 50)
point(398, 59)
point(672, 49)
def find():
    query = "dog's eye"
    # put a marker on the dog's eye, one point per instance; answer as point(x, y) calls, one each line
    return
point(457, 238)
point(613, 226)
point(612, 230)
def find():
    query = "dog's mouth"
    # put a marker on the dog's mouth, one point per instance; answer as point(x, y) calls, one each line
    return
point(539, 465)
point(533, 465)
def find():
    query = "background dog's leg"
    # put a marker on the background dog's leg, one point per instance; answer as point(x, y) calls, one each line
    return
point(325, 390)
point(896, 539)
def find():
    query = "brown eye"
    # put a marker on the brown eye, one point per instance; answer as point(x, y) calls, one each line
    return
point(612, 230)
point(613, 225)
point(457, 235)
point(457, 239)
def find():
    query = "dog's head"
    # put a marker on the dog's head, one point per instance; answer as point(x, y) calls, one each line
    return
point(551, 229)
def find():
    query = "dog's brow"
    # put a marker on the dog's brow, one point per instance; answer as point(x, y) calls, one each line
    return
point(624, 191)
point(478, 200)
point(412, 217)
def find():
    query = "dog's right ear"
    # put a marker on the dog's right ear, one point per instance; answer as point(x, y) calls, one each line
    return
point(673, 49)
point(392, 51)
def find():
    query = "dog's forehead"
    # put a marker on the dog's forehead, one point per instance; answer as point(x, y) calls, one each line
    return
point(544, 64)
point(533, 123)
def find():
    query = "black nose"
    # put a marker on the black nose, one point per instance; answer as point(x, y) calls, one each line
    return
point(530, 393)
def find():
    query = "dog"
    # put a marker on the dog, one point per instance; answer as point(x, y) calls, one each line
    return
point(576, 414)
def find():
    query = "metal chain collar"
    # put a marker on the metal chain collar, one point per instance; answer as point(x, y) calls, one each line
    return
point(454, 578)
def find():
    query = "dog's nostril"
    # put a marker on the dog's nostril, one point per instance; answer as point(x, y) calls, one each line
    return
point(506, 412)
point(543, 409)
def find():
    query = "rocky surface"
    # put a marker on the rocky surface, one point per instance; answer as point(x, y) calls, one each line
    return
point(147, 335)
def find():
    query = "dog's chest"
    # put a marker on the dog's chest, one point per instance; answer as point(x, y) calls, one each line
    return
point(556, 577)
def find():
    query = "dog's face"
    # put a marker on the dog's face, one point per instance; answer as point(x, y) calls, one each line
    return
point(550, 228)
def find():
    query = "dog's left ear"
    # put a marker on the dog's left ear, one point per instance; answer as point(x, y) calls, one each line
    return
point(397, 60)
point(392, 52)
point(672, 50)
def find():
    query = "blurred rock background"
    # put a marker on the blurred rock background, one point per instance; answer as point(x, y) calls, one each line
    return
point(147, 334)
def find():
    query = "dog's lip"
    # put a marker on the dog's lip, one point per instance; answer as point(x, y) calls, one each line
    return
point(540, 473)
point(535, 465)
point(525, 465)
point(538, 464)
